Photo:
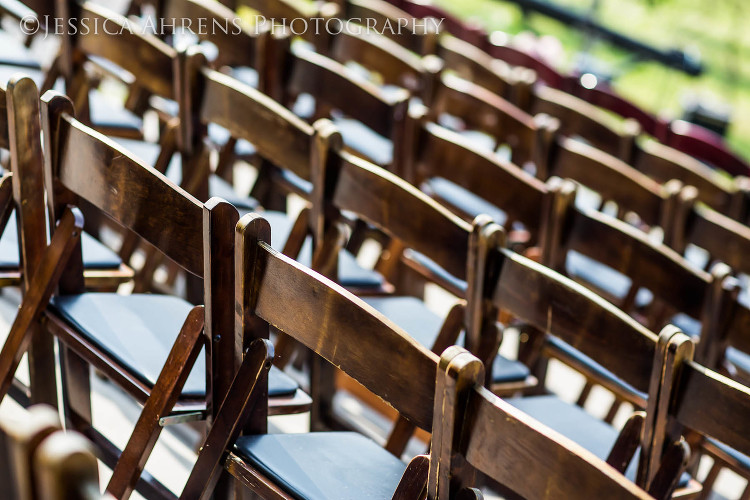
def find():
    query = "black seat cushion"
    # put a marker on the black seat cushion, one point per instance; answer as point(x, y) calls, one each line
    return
point(148, 152)
point(139, 331)
point(324, 465)
point(364, 140)
point(463, 200)
point(603, 277)
point(15, 53)
point(351, 273)
point(441, 275)
point(105, 112)
point(576, 424)
point(413, 316)
point(596, 369)
point(95, 254)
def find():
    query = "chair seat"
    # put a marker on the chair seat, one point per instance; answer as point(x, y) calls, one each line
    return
point(413, 316)
point(440, 273)
point(574, 423)
point(351, 273)
point(7, 71)
point(579, 426)
point(741, 459)
point(463, 200)
point(595, 368)
point(603, 278)
point(738, 358)
point(364, 140)
point(324, 465)
point(15, 53)
point(105, 113)
point(139, 331)
point(95, 254)
point(148, 152)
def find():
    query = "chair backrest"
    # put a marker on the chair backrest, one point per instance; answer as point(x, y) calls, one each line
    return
point(237, 44)
point(626, 250)
point(561, 307)
point(418, 35)
point(612, 179)
point(723, 238)
point(144, 56)
point(484, 111)
point(302, 71)
point(472, 63)
point(81, 163)
point(210, 97)
point(581, 119)
point(391, 63)
point(309, 20)
point(663, 163)
point(438, 152)
point(472, 425)
point(695, 398)
point(368, 347)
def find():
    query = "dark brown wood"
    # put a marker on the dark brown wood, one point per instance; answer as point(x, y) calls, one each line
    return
point(42, 287)
point(164, 395)
point(66, 468)
point(227, 426)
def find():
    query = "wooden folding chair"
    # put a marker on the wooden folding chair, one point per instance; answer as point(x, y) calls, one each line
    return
point(561, 308)
point(369, 117)
point(698, 403)
point(346, 184)
point(24, 236)
point(134, 350)
point(499, 440)
point(281, 139)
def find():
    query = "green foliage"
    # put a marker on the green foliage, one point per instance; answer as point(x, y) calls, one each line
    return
point(715, 29)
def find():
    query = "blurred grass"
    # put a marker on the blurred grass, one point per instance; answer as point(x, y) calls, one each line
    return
point(716, 29)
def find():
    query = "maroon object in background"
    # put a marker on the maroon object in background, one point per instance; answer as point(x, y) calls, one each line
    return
point(689, 138)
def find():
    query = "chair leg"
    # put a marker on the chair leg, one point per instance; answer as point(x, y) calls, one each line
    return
point(230, 420)
point(163, 397)
point(42, 285)
point(708, 483)
point(76, 382)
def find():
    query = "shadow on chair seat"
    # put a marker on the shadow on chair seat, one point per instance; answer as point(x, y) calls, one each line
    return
point(324, 465)
point(139, 331)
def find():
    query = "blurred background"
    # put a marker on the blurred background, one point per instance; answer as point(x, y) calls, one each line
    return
point(704, 76)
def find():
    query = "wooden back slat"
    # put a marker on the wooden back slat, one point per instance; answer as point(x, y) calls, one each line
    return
point(132, 193)
point(237, 43)
point(706, 402)
point(738, 329)
point(474, 64)
point(561, 307)
point(327, 81)
point(276, 132)
point(610, 177)
point(448, 155)
point(348, 333)
point(724, 238)
point(487, 112)
point(145, 56)
point(385, 13)
point(663, 163)
point(630, 252)
point(579, 118)
point(502, 442)
point(394, 64)
point(403, 211)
